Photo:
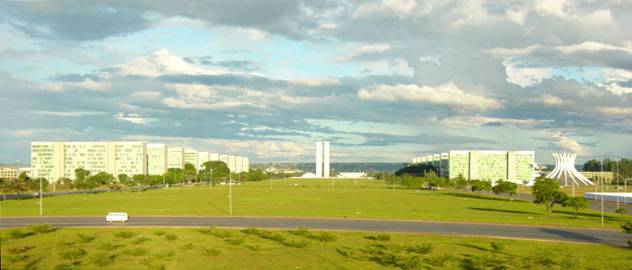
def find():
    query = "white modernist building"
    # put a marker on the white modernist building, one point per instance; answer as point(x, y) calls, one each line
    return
point(157, 156)
point(55, 160)
point(322, 159)
point(565, 170)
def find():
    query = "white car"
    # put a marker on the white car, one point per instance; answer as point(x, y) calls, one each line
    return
point(117, 216)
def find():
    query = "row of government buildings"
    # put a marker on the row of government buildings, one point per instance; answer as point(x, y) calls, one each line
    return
point(54, 160)
point(514, 166)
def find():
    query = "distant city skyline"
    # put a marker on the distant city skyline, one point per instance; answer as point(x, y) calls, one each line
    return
point(381, 80)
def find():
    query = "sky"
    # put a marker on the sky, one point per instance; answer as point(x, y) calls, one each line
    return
point(381, 80)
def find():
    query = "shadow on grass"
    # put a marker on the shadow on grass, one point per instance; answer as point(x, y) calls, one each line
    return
point(571, 235)
point(571, 215)
point(502, 210)
point(475, 247)
point(482, 197)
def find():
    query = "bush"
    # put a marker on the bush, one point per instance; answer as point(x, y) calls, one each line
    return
point(322, 236)
point(13, 258)
point(211, 252)
point(212, 231)
point(103, 259)
point(41, 228)
point(109, 246)
point(137, 252)
point(21, 249)
point(159, 233)
point(140, 240)
point(188, 246)
point(125, 234)
point(72, 253)
point(171, 237)
point(497, 247)
point(19, 234)
point(234, 241)
point(420, 249)
point(379, 237)
point(85, 238)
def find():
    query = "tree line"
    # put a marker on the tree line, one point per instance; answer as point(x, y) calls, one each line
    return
point(212, 172)
point(624, 166)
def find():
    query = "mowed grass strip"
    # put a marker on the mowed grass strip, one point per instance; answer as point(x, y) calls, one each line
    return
point(198, 249)
point(312, 198)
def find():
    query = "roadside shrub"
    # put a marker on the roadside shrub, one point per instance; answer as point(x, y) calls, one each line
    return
point(137, 252)
point(109, 246)
point(234, 241)
point(72, 253)
point(65, 266)
point(159, 233)
point(20, 249)
point(125, 234)
point(252, 247)
point(41, 228)
point(212, 231)
point(379, 237)
point(140, 240)
point(294, 243)
point(422, 249)
point(166, 255)
point(85, 238)
point(497, 247)
point(188, 246)
point(322, 236)
point(211, 252)
point(19, 234)
point(171, 237)
point(103, 259)
point(13, 258)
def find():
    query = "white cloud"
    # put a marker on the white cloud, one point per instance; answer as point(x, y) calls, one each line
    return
point(162, 62)
point(448, 94)
point(373, 48)
point(526, 76)
point(587, 46)
point(566, 9)
point(400, 8)
point(68, 113)
point(612, 111)
point(86, 84)
point(134, 118)
point(467, 121)
point(316, 82)
point(550, 100)
point(569, 144)
point(252, 34)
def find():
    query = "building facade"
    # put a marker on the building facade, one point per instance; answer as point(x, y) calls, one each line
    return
point(55, 160)
point(175, 157)
point(157, 158)
point(514, 166)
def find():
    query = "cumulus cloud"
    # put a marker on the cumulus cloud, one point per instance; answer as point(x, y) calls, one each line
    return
point(134, 118)
point(568, 144)
point(448, 94)
point(162, 62)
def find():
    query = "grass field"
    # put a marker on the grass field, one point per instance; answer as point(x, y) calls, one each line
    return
point(311, 198)
point(209, 248)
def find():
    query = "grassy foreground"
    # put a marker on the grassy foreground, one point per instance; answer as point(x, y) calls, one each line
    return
point(209, 248)
point(311, 198)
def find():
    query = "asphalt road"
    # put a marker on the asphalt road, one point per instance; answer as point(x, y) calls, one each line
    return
point(609, 237)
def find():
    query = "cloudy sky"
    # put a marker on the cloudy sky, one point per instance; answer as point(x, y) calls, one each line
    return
point(382, 80)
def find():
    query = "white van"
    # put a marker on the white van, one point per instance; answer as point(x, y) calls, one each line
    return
point(116, 216)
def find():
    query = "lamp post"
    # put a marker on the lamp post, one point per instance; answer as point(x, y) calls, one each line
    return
point(617, 179)
point(601, 192)
point(210, 180)
point(41, 200)
point(230, 194)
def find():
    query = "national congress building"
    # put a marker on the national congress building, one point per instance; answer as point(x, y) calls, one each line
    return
point(54, 160)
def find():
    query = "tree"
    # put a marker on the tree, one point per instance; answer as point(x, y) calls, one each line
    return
point(592, 165)
point(417, 170)
point(477, 185)
point(576, 203)
point(190, 172)
point(459, 181)
point(102, 178)
point(547, 192)
point(81, 179)
point(173, 175)
point(505, 187)
point(219, 170)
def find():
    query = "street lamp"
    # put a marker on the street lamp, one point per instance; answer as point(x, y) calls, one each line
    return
point(230, 193)
point(41, 200)
point(210, 180)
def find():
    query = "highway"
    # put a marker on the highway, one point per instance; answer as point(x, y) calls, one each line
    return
point(598, 236)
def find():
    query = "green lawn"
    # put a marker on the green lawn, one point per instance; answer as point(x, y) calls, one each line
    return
point(311, 198)
point(164, 248)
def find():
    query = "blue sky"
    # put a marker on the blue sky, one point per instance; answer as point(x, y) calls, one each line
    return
point(382, 80)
